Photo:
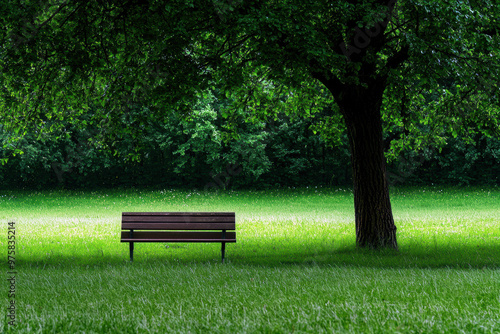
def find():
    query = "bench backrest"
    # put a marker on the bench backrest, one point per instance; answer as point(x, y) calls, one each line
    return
point(178, 227)
point(178, 221)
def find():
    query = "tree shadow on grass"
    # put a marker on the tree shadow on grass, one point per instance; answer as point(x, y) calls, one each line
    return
point(486, 256)
point(418, 256)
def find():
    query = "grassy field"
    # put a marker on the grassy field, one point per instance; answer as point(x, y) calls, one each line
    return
point(293, 269)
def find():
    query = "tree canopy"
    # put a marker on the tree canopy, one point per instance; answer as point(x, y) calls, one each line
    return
point(62, 57)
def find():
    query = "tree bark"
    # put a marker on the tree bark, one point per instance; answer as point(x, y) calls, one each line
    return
point(360, 107)
point(375, 226)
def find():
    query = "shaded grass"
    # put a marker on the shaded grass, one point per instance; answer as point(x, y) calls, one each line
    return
point(293, 269)
point(161, 297)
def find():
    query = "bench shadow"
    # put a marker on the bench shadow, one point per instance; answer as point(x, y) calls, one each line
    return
point(462, 256)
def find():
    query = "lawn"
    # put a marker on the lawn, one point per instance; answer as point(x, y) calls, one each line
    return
point(293, 269)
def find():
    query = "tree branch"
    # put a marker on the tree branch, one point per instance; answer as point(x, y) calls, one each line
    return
point(398, 58)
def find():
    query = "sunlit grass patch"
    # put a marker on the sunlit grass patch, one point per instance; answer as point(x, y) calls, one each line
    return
point(291, 226)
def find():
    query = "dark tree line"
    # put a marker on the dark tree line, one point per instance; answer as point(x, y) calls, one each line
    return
point(191, 153)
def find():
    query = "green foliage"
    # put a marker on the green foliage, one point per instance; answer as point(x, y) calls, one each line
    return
point(212, 146)
point(94, 85)
point(459, 162)
point(190, 152)
point(196, 149)
point(60, 61)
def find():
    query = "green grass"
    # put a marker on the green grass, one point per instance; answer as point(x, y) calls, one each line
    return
point(293, 269)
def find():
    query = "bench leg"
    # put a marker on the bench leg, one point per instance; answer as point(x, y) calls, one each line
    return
point(131, 244)
point(223, 250)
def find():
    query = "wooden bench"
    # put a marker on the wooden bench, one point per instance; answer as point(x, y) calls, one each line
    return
point(178, 227)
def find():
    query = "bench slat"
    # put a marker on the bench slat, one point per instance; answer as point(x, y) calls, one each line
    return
point(177, 236)
point(227, 214)
point(178, 240)
point(178, 219)
point(177, 226)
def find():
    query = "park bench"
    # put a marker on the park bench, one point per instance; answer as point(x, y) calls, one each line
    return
point(178, 227)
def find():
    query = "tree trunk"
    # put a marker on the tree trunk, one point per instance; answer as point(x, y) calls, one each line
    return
point(375, 226)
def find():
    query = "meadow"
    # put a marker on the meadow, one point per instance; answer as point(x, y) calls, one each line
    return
point(294, 268)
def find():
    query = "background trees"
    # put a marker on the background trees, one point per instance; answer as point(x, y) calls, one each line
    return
point(191, 153)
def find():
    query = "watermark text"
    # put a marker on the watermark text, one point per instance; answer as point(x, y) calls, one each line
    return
point(11, 273)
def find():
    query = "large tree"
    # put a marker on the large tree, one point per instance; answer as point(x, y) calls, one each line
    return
point(426, 67)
